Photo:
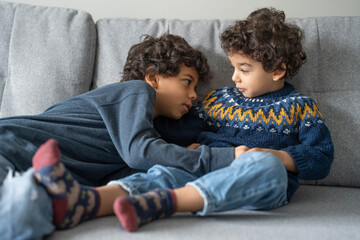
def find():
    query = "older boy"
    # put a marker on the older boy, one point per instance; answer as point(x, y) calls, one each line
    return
point(103, 134)
point(283, 133)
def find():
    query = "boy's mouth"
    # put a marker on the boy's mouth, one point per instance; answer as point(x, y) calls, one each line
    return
point(188, 106)
point(241, 89)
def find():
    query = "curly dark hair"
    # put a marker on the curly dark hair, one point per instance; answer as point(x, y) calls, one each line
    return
point(164, 55)
point(265, 37)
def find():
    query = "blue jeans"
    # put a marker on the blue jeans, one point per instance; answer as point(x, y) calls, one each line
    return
point(254, 181)
point(24, 205)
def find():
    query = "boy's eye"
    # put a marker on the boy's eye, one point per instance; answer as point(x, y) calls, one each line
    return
point(187, 81)
point(244, 71)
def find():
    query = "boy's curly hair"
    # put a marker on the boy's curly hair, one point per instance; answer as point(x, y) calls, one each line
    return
point(163, 55)
point(265, 37)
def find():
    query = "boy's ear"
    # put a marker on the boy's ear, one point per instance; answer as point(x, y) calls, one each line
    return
point(151, 79)
point(279, 73)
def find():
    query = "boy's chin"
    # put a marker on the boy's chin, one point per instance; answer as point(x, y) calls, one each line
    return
point(177, 116)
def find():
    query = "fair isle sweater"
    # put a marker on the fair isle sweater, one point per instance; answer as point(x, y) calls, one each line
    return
point(283, 120)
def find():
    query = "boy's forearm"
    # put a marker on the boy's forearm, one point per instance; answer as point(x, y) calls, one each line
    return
point(288, 161)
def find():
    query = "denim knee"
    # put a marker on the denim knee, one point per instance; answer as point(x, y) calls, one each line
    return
point(264, 163)
point(271, 170)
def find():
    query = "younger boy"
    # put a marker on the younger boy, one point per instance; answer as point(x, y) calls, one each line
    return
point(103, 134)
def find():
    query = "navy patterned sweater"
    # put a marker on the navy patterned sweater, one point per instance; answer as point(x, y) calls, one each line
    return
point(283, 120)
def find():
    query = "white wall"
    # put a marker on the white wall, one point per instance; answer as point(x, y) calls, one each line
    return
point(203, 9)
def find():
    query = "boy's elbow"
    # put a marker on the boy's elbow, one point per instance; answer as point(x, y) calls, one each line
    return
point(137, 160)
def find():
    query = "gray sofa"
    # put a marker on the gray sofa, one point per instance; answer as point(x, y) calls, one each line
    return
point(48, 54)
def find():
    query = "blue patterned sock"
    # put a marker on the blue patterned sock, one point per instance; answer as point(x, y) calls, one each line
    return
point(72, 202)
point(134, 211)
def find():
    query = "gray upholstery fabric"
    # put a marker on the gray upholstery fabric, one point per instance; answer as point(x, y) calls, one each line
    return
point(330, 75)
point(321, 213)
point(47, 56)
point(116, 36)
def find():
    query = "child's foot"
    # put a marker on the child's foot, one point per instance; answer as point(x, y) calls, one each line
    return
point(72, 202)
point(134, 211)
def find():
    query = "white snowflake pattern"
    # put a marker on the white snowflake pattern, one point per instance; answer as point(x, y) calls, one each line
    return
point(246, 127)
point(308, 124)
point(286, 131)
point(260, 129)
point(273, 130)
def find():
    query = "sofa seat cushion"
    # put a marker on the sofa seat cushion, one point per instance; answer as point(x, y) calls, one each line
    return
point(316, 212)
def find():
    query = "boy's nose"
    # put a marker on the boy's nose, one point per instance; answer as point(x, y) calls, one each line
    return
point(193, 95)
point(236, 78)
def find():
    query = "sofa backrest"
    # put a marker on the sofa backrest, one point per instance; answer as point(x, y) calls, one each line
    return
point(47, 55)
point(331, 75)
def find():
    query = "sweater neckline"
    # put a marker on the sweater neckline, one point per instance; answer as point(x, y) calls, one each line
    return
point(286, 90)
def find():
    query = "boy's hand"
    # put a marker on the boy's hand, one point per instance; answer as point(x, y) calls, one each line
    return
point(240, 150)
point(193, 146)
point(285, 158)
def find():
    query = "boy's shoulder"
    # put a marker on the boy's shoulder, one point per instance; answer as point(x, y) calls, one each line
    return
point(131, 85)
point(123, 89)
point(117, 92)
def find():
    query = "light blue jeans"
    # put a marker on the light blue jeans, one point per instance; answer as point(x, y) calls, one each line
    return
point(254, 181)
point(25, 207)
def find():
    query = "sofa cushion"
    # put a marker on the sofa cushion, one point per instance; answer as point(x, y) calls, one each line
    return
point(47, 55)
point(314, 213)
point(330, 75)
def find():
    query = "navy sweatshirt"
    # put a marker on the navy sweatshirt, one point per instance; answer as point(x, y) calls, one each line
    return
point(108, 133)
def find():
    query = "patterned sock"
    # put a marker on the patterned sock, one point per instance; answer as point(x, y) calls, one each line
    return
point(134, 211)
point(72, 202)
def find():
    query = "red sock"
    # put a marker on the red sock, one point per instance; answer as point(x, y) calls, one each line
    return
point(62, 188)
point(126, 214)
point(136, 210)
point(48, 154)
